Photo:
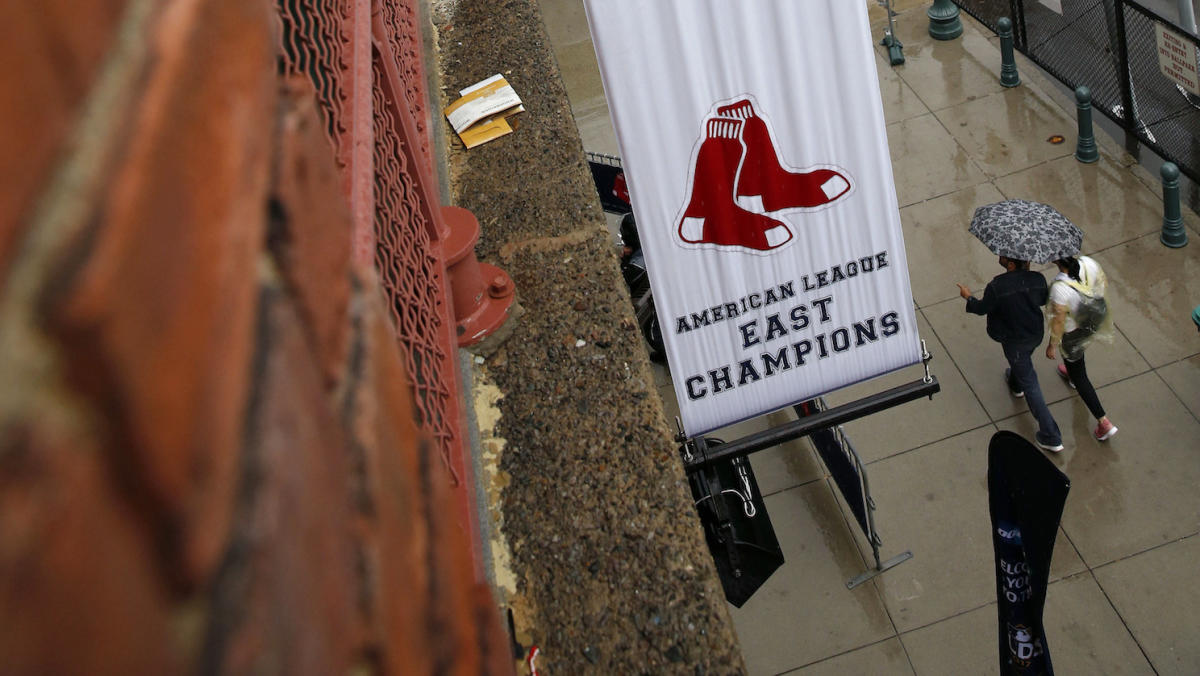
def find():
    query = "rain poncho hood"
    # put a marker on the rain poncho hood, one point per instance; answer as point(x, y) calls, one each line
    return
point(1093, 319)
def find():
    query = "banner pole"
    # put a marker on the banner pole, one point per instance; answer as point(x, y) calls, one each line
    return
point(829, 418)
point(894, 46)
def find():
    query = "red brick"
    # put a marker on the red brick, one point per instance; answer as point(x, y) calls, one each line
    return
point(158, 318)
point(285, 599)
point(384, 437)
point(52, 50)
point(453, 606)
point(491, 635)
point(79, 588)
point(428, 617)
point(311, 228)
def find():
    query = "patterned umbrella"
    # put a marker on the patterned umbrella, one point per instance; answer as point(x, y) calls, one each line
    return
point(1024, 230)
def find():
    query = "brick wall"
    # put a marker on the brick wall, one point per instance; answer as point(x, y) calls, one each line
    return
point(208, 454)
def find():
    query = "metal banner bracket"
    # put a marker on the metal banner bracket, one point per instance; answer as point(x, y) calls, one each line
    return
point(870, 574)
point(823, 425)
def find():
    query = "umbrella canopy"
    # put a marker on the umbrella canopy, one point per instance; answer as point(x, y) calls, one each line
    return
point(1027, 231)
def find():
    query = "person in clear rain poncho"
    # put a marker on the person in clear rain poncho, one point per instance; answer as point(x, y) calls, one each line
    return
point(1079, 314)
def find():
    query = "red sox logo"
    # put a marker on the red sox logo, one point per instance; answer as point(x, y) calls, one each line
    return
point(738, 185)
point(1023, 646)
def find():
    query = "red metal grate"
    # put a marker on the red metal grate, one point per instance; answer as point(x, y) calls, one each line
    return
point(403, 35)
point(315, 40)
point(319, 40)
point(412, 272)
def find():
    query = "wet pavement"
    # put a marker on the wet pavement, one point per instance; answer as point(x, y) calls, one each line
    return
point(1125, 587)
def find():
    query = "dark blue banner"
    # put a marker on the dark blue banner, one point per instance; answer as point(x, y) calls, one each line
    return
point(1026, 494)
point(841, 467)
point(610, 183)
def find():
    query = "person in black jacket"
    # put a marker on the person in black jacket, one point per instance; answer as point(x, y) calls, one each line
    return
point(1013, 304)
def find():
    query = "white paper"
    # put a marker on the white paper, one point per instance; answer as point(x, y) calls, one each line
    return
point(470, 112)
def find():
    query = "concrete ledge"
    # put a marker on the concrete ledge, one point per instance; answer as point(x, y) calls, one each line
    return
point(609, 571)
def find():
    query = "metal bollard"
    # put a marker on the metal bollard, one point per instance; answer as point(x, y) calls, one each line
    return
point(1008, 62)
point(1085, 148)
point(944, 23)
point(1173, 233)
point(894, 46)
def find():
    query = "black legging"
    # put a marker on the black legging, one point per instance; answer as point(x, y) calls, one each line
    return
point(1077, 371)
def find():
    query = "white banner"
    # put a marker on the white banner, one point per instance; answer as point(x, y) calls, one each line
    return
point(753, 141)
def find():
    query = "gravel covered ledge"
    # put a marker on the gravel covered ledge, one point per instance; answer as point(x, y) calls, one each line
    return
point(599, 552)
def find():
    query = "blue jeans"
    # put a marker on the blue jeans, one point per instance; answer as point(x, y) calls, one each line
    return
point(1023, 379)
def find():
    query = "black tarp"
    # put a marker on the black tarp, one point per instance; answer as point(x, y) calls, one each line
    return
point(743, 545)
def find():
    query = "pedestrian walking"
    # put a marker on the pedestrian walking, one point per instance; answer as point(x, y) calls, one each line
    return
point(1013, 304)
point(1079, 314)
point(1196, 317)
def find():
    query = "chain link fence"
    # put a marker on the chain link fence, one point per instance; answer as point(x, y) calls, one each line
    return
point(1113, 48)
point(317, 40)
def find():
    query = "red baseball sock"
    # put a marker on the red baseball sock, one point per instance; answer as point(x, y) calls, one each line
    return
point(763, 176)
point(712, 217)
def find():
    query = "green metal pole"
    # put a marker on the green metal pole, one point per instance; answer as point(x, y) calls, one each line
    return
point(1085, 148)
point(1173, 233)
point(944, 23)
point(1008, 62)
point(894, 46)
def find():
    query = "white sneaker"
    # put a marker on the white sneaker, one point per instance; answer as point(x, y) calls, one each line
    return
point(1053, 448)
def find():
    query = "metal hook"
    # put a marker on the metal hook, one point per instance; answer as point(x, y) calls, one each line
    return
point(748, 507)
point(747, 499)
point(925, 359)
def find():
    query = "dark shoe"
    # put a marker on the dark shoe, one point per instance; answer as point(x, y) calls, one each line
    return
point(1008, 381)
point(1053, 448)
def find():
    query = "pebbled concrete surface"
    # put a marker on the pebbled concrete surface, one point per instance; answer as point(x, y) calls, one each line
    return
point(606, 561)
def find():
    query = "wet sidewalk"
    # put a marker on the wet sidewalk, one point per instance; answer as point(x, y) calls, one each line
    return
point(1125, 586)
